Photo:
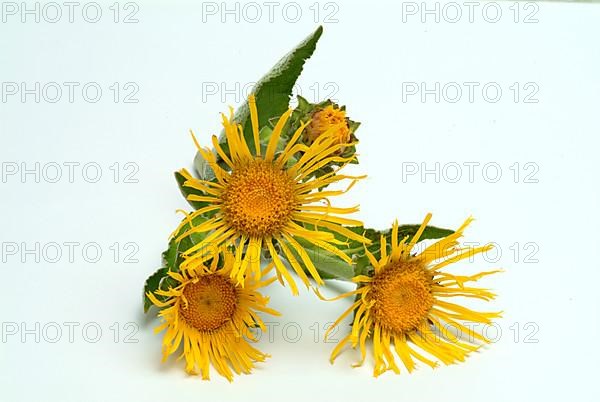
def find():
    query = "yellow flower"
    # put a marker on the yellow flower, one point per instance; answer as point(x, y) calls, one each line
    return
point(210, 315)
point(261, 202)
point(326, 119)
point(404, 306)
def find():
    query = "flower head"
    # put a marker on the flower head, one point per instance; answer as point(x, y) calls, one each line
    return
point(403, 306)
point(327, 119)
point(210, 315)
point(268, 199)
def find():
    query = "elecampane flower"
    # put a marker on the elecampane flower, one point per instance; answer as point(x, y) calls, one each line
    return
point(271, 200)
point(210, 315)
point(404, 306)
point(329, 118)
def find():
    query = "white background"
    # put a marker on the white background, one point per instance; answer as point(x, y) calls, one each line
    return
point(367, 56)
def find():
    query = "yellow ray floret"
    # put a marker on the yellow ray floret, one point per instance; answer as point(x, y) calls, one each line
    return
point(263, 201)
point(210, 316)
point(404, 305)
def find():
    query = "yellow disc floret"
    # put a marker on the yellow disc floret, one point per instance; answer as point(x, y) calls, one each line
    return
point(402, 296)
point(211, 302)
point(259, 199)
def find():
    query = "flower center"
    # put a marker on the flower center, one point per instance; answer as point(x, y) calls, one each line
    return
point(259, 199)
point(402, 294)
point(323, 120)
point(210, 302)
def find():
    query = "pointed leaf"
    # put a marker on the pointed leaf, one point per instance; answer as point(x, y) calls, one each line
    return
point(203, 168)
point(329, 265)
point(186, 191)
point(274, 90)
point(152, 284)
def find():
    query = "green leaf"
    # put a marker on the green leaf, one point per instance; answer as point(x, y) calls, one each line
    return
point(430, 232)
point(152, 284)
point(327, 264)
point(362, 264)
point(186, 191)
point(204, 172)
point(356, 249)
point(265, 136)
point(273, 91)
point(304, 106)
point(172, 256)
point(203, 168)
